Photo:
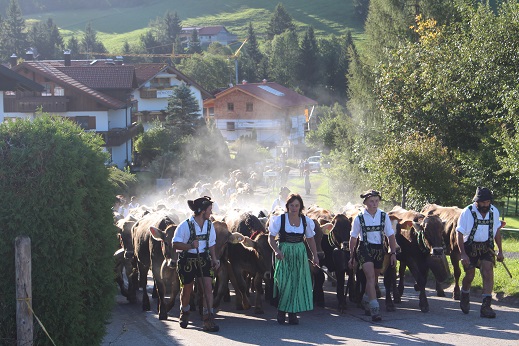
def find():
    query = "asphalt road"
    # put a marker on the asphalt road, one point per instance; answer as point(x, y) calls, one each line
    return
point(444, 324)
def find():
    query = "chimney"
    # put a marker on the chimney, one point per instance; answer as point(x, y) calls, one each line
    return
point(119, 60)
point(29, 55)
point(13, 60)
point(264, 81)
point(66, 57)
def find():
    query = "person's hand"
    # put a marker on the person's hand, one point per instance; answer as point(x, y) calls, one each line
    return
point(393, 260)
point(194, 244)
point(279, 255)
point(465, 261)
point(351, 263)
point(500, 256)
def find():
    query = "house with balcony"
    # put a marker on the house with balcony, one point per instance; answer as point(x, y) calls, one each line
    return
point(268, 111)
point(155, 84)
point(98, 98)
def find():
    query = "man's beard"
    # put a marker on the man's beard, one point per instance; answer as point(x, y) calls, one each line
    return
point(482, 209)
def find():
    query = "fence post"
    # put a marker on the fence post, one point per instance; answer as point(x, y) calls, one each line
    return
point(24, 320)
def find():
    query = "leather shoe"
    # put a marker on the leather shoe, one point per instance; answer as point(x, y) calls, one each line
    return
point(281, 317)
point(292, 318)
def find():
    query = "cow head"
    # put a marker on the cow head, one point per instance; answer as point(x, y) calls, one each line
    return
point(340, 232)
point(125, 235)
point(166, 241)
point(262, 250)
point(430, 239)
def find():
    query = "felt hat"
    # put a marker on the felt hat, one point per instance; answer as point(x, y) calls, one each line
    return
point(199, 204)
point(370, 193)
point(482, 194)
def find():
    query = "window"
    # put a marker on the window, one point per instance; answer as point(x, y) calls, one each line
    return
point(230, 107)
point(48, 89)
point(86, 122)
point(249, 107)
point(230, 126)
point(160, 83)
point(58, 91)
point(211, 111)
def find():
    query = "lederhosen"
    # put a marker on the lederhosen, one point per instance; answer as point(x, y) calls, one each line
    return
point(292, 279)
point(188, 265)
point(367, 252)
point(480, 251)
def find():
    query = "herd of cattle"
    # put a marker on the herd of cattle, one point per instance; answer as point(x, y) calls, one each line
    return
point(425, 239)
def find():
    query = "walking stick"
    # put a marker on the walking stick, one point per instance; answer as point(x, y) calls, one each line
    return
point(507, 270)
point(322, 269)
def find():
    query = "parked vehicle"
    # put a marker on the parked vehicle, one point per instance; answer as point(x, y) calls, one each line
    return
point(314, 163)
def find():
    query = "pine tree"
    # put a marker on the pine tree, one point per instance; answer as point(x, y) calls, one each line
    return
point(13, 38)
point(89, 42)
point(308, 64)
point(250, 58)
point(279, 22)
point(183, 112)
point(74, 47)
point(194, 43)
point(252, 47)
point(47, 40)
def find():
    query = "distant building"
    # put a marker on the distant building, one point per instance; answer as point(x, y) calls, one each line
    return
point(209, 34)
point(104, 96)
point(271, 112)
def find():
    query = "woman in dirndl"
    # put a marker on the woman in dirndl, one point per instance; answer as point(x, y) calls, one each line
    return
point(292, 276)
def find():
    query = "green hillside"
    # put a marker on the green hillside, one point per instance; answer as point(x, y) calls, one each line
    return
point(114, 26)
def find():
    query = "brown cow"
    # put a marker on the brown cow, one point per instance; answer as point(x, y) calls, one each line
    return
point(449, 216)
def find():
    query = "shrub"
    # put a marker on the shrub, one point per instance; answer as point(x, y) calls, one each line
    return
point(54, 187)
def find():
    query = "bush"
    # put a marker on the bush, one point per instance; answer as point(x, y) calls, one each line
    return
point(54, 187)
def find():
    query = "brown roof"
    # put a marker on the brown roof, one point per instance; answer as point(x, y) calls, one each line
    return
point(12, 81)
point(103, 77)
point(211, 30)
point(147, 71)
point(272, 93)
point(54, 74)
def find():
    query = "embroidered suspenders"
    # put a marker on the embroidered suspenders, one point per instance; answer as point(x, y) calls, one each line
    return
point(365, 229)
point(477, 222)
point(193, 236)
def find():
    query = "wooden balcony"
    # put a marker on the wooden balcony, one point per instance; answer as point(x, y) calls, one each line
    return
point(30, 104)
point(155, 93)
point(119, 136)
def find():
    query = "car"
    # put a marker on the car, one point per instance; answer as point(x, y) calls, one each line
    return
point(314, 163)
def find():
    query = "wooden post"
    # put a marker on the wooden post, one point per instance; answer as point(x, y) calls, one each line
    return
point(24, 319)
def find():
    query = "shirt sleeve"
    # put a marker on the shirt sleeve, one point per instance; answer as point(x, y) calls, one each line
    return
point(275, 224)
point(180, 235)
point(310, 227)
point(212, 235)
point(497, 222)
point(388, 230)
point(355, 228)
point(465, 222)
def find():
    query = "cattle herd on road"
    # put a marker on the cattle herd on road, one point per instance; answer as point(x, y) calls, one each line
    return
point(425, 238)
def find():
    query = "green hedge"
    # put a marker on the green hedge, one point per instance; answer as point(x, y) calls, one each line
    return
point(54, 188)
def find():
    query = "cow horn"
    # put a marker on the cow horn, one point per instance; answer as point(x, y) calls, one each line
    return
point(248, 243)
point(235, 238)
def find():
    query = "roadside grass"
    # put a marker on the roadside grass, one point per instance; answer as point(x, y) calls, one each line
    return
point(320, 187)
point(116, 25)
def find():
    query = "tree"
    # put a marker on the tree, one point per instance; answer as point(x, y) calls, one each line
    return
point(73, 46)
point(308, 70)
point(89, 42)
point(414, 171)
point(279, 22)
point(250, 58)
point(194, 43)
point(284, 59)
point(183, 112)
point(166, 30)
point(13, 37)
point(211, 71)
point(46, 39)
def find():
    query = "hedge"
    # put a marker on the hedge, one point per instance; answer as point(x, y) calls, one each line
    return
point(54, 188)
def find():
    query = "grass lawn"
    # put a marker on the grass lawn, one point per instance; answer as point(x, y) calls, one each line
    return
point(115, 25)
